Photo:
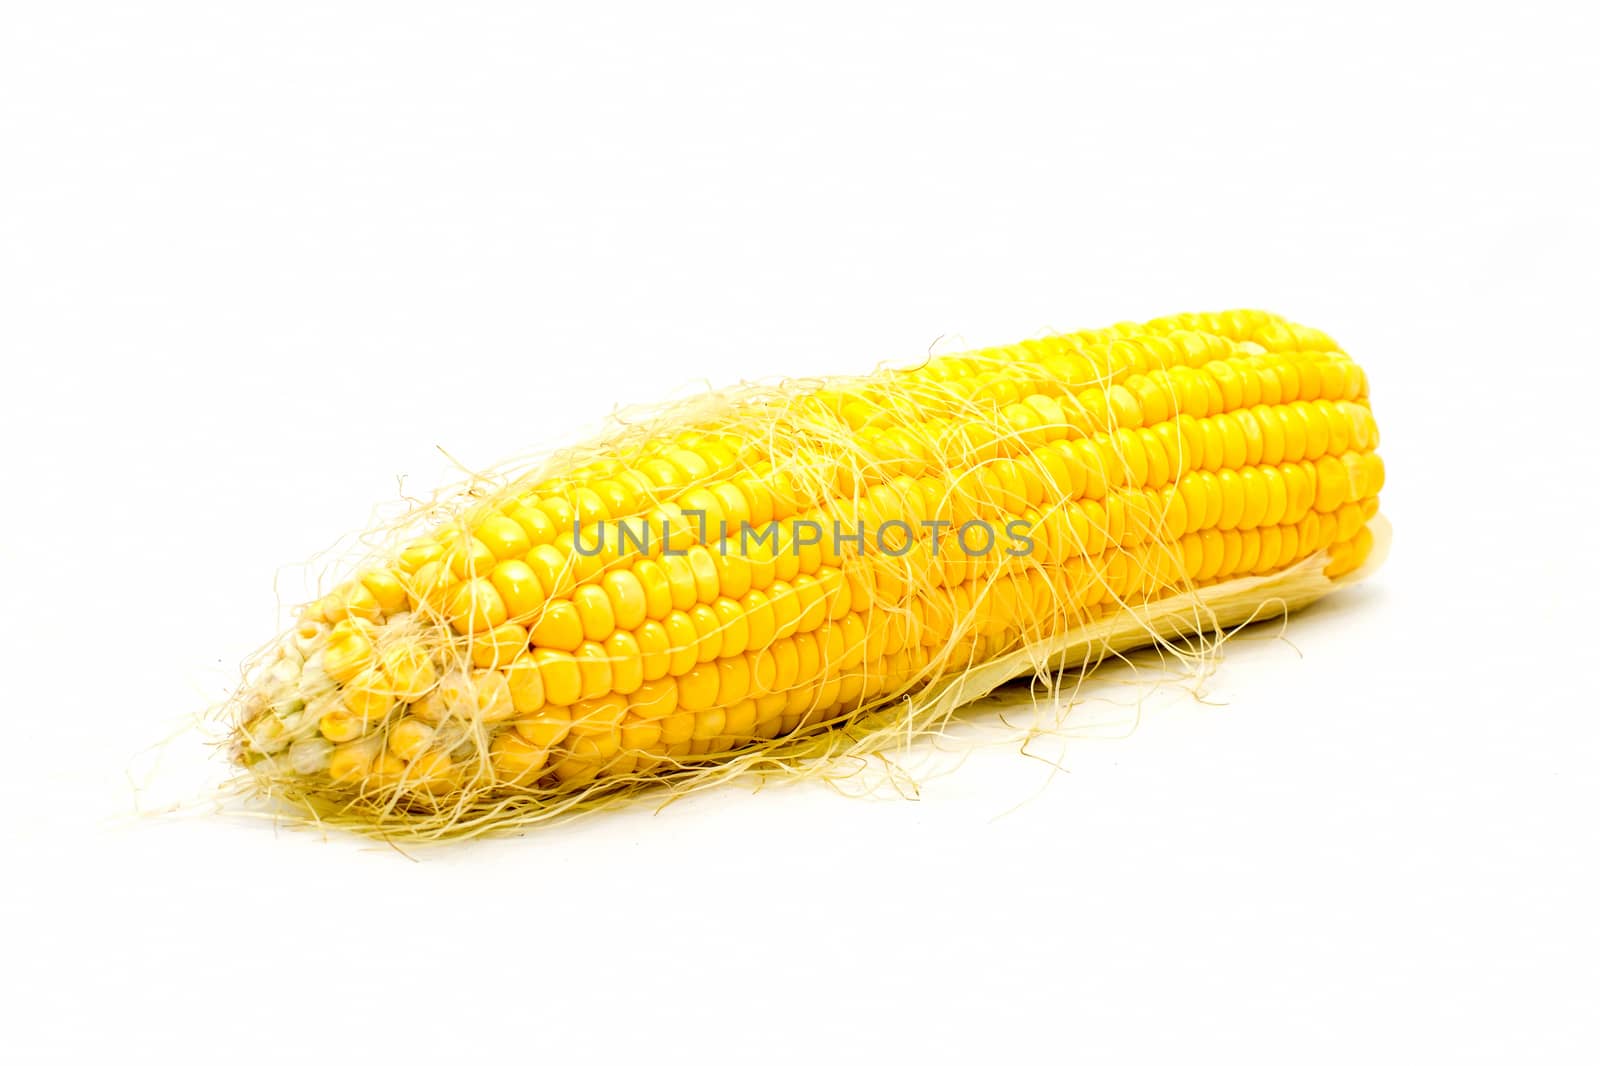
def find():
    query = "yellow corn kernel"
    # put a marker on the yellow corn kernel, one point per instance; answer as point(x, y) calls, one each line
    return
point(475, 607)
point(559, 627)
point(504, 537)
point(655, 699)
point(499, 646)
point(431, 773)
point(683, 643)
point(418, 553)
point(384, 770)
point(516, 761)
point(639, 734)
point(526, 684)
point(760, 622)
point(598, 718)
point(519, 590)
point(408, 673)
point(657, 587)
point(468, 559)
point(350, 763)
point(594, 612)
point(545, 729)
point(655, 650)
point(627, 662)
point(535, 524)
point(680, 581)
point(594, 670)
point(708, 632)
point(558, 670)
point(625, 596)
point(367, 696)
point(552, 567)
point(697, 688)
point(346, 654)
point(341, 726)
point(410, 737)
point(492, 696)
point(733, 679)
point(386, 589)
point(453, 697)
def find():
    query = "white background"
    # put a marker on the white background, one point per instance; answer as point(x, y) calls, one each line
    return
point(257, 261)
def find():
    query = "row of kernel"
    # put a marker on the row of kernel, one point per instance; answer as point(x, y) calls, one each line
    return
point(1214, 554)
point(1298, 422)
point(1268, 494)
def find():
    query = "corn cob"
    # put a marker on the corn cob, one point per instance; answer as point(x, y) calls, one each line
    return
point(774, 574)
